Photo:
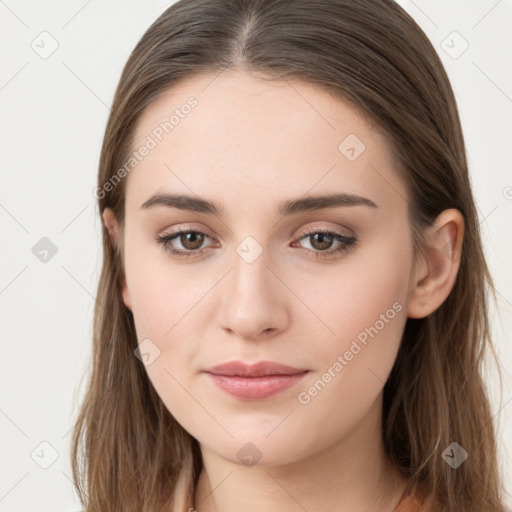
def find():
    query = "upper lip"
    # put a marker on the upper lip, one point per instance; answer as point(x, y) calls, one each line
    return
point(260, 369)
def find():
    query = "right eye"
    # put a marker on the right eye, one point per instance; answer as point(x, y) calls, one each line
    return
point(190, 240)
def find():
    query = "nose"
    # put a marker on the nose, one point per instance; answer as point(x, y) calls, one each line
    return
point(253, 305)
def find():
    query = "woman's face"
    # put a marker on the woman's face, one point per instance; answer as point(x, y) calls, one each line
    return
point(258, 283)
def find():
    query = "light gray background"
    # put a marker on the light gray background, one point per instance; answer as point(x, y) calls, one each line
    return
point(53, 114)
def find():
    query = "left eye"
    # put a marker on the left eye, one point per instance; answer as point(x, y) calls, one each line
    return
point(323, 239)
point(192, 240)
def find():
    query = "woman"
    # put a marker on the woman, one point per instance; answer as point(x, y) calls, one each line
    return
point(292, 309)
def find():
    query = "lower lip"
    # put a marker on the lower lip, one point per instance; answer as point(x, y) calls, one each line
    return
point(255, 388)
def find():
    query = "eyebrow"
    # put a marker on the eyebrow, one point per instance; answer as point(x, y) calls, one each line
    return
point(288, 207)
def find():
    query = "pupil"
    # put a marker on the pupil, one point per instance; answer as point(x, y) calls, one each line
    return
point(323, 239)
point(192, 238)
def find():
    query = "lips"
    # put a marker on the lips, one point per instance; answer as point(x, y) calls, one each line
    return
point(263, 368)
point(254, 382)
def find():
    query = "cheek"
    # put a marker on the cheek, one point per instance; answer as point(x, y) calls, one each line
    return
point(162, 293)
point(165, 303)
point(364, 305)
point(363, 308)
point(349, 297)
point(149, 302)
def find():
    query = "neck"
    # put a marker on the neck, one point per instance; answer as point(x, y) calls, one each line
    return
point(353, 474)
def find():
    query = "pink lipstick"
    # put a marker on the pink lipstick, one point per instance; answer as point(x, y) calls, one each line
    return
point(254, 382)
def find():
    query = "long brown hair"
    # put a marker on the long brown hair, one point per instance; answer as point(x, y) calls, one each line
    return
point(129, 453)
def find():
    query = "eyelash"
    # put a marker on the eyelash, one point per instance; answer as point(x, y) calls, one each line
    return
point(347, 243)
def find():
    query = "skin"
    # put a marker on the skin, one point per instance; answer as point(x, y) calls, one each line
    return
point(248, 145)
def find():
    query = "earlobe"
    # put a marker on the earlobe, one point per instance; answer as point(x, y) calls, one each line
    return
point(435, 275)
point(112, 227)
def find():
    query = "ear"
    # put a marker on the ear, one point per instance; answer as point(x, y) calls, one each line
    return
point(435, 273)
point(112, 227)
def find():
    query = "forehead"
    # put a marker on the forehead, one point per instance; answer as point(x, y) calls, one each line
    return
point(239, 135)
